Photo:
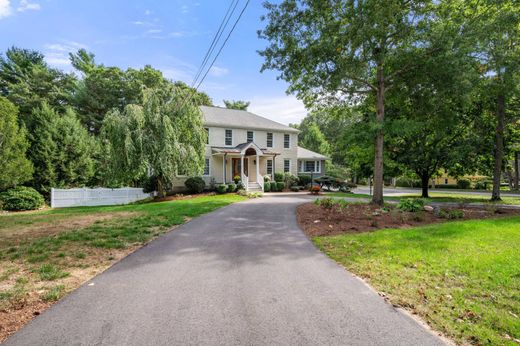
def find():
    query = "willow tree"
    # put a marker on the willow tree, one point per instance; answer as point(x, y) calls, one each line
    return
point(343, 51)
point(156, 139)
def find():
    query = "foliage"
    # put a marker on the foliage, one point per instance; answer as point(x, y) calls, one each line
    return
point(327, 202)
point(304, 179)
point(267, 186)
point(157, 137)
point(278, 176)
point(290, 179)
point(411, 204)
point(15, 168)
point(279, 186)
point(236, 179)
point(222, 188)
point(21, 198)
point(232, 187)
point(195, 184)
point(463, 184)
point(451, 214)
point(62, 151)
point(311, 137)
point(240, 105)
point(407, 182)
point(296, 188)
point(27, 81)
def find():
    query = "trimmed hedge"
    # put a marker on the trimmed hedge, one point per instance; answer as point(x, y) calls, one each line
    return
point(278, 177)
point(280, 186)
point(463, 184)
point(304, 179)
point(267, 186)
point(232, 187)
point(21, 198)
point(195, 184)
point(222, 188)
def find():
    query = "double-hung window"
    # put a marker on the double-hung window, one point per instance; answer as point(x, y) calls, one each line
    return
point(250, 136)
point(286, 165)
point(286, 141)
point(269, 167)
point(206, 166)
point(310, 166)
point(229, 137)
point(269, 139)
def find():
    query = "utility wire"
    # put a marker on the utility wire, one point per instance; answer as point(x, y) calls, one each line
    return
point(217, 55)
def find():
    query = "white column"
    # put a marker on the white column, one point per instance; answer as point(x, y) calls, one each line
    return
point(242, 168)
point(224, 169)
point(257, 167)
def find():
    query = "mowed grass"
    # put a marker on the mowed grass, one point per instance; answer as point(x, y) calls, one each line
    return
point(463, 278)
point(439, 197)
point(45, 254)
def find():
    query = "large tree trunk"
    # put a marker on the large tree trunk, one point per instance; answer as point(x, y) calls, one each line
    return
point(499, 146)
point(517, 172)
point(377, 197)
point(160, 187)
point(425, 180)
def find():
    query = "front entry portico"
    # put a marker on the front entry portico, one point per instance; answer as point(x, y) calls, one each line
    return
point(246, 160)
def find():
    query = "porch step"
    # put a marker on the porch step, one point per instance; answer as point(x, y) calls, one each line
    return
point(254, 187)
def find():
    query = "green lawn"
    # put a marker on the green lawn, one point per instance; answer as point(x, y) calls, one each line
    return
point(463, 278)
point(47, 253)
point(439, 197)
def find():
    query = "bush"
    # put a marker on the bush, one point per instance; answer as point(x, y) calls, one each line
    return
point(267, 178)
point(21, 198)
point(280, 186)
point(304, 179)
point(236, 179)
point(411, 204)
point(195, 184)
point(267, 186)
point(295, 188)
point(451, 214)
point(232, 187)
point(463, 184)
point(240, 186)
point(482, 184)
point(446, 186)
point(326, 202)
point(407, 182)
point(222, 188)
point(278, 177)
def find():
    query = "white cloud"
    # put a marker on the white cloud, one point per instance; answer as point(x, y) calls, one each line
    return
point(184, 9)
point(154, 31)
point(216, 71)
point(5, 8)
point(147, 12)
point(283, 109)
point(25, 5)
point(57, 54)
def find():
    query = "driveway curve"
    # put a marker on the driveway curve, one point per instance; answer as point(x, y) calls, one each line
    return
point(242, 275)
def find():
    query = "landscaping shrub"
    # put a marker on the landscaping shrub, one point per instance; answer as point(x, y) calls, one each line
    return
point(267, 178)
point(236, 179)
point(451, 214)
point(21, 198)
point(304, 179)
point(222, 188)
point(295, 188)
point(212, 184)
point(411, 204)
point(481, 185)
point(280, 186)
point(267, 186)
point(407, 182)
point(278, 177)
point(240, 186)
point(344, 188)
point(290, 179)
point(463, 184)
point(195, 184)
point(326, 202)
point(232, 187)
point(446, 186)
point(149, 184)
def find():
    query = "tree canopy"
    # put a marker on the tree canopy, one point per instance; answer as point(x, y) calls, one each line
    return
point(240, 105)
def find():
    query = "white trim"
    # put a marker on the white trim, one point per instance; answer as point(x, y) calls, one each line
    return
point(249, 145)
point(317, 166)
point(225, 137)
point(290, 165)
point(247, 136)
point(288, 134)
point(267, 167)
point(267, 140)
point(209, 166)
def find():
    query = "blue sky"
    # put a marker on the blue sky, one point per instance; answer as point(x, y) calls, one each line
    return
point(172, 36)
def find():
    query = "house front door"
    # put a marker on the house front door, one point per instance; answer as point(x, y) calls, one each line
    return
point(236, 167)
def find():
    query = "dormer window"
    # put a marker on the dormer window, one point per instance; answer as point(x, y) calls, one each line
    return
point(250, 136)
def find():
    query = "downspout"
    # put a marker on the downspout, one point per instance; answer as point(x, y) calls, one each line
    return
point(225, 161)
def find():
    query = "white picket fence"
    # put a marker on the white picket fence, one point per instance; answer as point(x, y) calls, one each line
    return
point(62, 198)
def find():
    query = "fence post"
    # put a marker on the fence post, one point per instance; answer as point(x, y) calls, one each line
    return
point(52, 197)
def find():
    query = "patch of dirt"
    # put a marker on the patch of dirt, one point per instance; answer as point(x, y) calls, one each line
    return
point(356, 218)
point(58, 225)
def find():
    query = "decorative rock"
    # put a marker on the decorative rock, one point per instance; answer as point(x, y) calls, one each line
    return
point(428, 208)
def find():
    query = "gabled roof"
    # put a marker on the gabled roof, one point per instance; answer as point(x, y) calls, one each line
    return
point(241, 148)
point(303, 153)
point(223, 117)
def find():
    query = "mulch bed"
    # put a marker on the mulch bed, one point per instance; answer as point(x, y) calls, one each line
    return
point(356, 218)
point(181, 196)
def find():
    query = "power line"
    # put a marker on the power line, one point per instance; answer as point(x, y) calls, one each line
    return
point(217, 55)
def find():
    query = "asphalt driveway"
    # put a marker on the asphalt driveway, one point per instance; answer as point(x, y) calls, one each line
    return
point(243, 275)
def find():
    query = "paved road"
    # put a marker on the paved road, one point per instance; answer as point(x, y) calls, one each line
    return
point(398, 191)
point(243, 275)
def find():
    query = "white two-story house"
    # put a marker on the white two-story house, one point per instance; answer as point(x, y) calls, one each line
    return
point(247, 145)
